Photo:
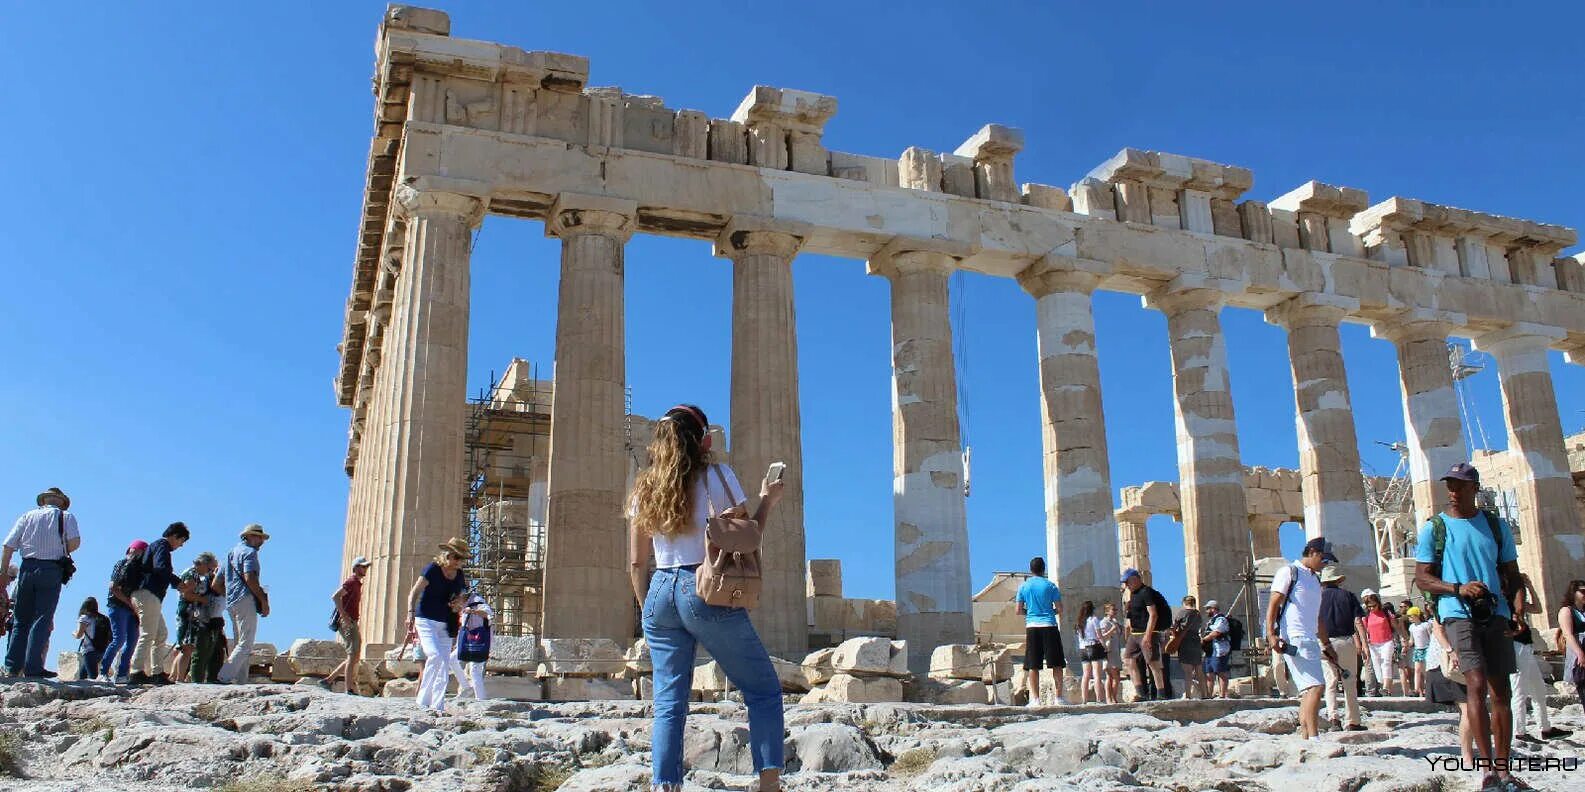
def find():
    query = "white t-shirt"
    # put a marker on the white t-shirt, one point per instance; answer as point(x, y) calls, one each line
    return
point(1090, 633)
point(1303, 611)
point(1421, 633)
point(688, 548)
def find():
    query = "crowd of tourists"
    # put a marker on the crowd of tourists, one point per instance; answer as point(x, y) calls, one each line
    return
point(1468, 644)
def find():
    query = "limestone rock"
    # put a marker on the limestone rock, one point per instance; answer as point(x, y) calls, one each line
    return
point(263, 654)
point(824, 577)
point(309, 657)
point(709, 678)
point(399, 664)
point(862, 690)
point(637, 657)
point(791, 675)
point(513, 654)
point(817, 666)
point(587, 689)
point(66, 665)
point(400, 688)
point(955, 661)
point(582, 657)
point(870, 655)
point(515, 688)
point(950, 691)
point(831, 748)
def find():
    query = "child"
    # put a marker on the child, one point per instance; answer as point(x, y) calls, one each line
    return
point(1420, 634)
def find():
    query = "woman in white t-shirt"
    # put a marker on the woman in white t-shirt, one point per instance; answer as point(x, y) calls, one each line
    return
point(672, 500)
point(1092, 653)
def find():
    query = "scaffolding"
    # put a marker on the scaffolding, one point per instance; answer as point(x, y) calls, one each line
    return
point(506, 437)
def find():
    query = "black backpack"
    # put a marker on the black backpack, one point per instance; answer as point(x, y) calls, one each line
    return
point(101, 632)
point(1235, 632)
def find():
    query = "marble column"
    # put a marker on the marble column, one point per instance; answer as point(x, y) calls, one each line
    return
point(1081, 531)
point(1210, 473)
point(1265, 533)
point(766, 419)
point(932, 561)
point(587, 593)
point(1430, 404)
point(418, 475)
point(1552, 542)
point(1133, 545)
point(1333, 487)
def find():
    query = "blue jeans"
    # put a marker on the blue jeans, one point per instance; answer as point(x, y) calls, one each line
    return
point(123, 639)
point(88, 663)
point(675, 621)
point(38, 592)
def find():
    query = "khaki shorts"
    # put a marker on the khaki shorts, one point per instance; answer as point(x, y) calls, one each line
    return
point(1136, 647)
point(350, 635)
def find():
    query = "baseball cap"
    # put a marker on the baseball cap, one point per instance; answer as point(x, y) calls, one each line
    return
point(1129, 573)
point(1463, 471)
point(360, 561)
point(138, 546)
point(1319, 544)
point(1367, 593)
point(1211, 604)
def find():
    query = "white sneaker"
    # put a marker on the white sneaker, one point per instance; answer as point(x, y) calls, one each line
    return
point(1035, 701)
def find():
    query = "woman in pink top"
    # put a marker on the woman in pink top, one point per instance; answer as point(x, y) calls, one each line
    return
point(1381, 637)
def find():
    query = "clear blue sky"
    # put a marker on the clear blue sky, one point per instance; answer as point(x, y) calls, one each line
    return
point(183, 182)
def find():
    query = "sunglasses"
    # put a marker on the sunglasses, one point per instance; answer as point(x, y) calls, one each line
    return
point(455, 557)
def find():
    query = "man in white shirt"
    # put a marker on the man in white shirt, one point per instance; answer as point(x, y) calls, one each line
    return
point(1294, 629)
point(44, 537)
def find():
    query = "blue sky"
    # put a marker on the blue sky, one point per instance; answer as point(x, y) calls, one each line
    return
point(183, 184)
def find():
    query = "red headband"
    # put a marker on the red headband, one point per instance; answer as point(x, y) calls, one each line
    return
point(698, 417)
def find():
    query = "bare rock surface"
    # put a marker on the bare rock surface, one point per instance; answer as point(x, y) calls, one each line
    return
point(97, 736)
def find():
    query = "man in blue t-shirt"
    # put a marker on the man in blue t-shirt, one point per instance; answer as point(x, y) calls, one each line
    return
point(1472, 584)
point(1041, 605)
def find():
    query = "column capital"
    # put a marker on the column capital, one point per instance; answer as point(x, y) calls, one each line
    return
point(1187, 292)
point(1133, 515)
point(910, 254)
point(1311, 308)
point(574, 214)
point(1055, 273)
point(428, 197)
point(751, 236)
point(1416, 325)
point(1520, 335)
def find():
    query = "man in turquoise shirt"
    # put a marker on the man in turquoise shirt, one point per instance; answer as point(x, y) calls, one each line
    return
point(1472, 584)
point(1041, 605)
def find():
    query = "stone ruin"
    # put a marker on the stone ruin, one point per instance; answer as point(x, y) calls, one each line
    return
point(465, 128)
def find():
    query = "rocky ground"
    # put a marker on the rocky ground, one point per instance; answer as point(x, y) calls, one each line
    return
point(95, 736)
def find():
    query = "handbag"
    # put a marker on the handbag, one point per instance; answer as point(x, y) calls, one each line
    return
point(473, 646)
point(68, 566)
point(730, 574)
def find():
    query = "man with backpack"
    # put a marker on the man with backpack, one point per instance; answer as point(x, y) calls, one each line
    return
point(344, 620)
point(1217, 644)
point(1467, 561)
point(148, 659)
point(1295, 632)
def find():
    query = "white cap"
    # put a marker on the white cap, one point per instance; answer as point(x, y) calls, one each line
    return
point(1211, 604)
point(1367, 593)
point(360, 561)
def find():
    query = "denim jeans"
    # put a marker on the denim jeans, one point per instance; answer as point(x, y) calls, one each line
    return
point(675, 621)
point(123, 640)
point(38, 592)
point(88, 664)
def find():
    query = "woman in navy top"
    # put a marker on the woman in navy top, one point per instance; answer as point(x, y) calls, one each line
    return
point(436, 596)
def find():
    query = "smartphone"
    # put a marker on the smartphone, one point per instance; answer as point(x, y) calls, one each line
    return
point(777, 469)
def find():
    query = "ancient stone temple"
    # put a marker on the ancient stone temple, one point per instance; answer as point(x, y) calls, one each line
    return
point(466, 128)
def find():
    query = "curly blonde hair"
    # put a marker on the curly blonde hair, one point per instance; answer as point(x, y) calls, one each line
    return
point(664, 490)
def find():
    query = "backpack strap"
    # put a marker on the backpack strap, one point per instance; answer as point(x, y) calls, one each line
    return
point(725, 487)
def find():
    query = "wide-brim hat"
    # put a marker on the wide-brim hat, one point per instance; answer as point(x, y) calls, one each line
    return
point(253, 529)
point(53, 492)
point(458, 546)
point(1332, 574)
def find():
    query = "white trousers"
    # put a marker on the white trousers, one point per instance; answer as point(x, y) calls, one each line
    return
point(1529, 690)
point(245, 624)
point(1381, 662)
point(440, 663)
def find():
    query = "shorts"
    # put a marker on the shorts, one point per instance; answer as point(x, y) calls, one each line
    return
point(1043, 645)
point(1217, 665)
point(1419, 655)
point(1441, 690)
point(350, 635)
point(1093, 653)
point(1136, 647)
point(1482, 647)
point(1304, 664)
point(186, 633)
point(1190, 653)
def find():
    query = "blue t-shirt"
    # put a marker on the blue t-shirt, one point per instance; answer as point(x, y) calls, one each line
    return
point(434, 602)
point(242, 559)
point(1039, 597)
point(1468, 554)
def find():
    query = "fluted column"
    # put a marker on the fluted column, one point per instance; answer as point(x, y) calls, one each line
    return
point(1333, 487)
point(1552, 543)
point(1210, 473)
point(418, 478)
point(932, 562)
point(586, 582)
point(1265, 535)
point(1081, 532)
point(1430, 405)
point(1133, 546)
point(766, 420)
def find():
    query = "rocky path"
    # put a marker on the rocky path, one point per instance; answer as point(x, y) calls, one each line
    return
point(87, 736)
